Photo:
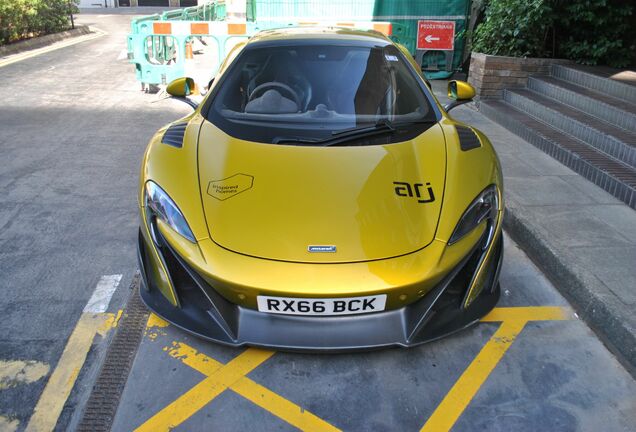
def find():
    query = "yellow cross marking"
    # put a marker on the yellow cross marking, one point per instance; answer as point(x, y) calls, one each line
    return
point(513, 320)
point(220, 377)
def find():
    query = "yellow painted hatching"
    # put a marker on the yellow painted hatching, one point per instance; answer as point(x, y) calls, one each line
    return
point(16, 372)
point(232, 376)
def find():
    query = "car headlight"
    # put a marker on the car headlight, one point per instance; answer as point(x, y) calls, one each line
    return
point(485, 206)
point(162, 206)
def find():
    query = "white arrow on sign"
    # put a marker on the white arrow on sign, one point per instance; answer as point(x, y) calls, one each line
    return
point(430, 38)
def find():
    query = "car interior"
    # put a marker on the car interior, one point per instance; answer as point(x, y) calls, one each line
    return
point(322, 81)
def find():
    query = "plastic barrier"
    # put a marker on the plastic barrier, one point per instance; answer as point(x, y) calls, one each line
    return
point(158, 43)
point(404, 15)
point(158, 48)
point(181, 43)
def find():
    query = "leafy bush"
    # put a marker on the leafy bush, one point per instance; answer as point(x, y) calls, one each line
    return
point(516, 28)
point(587, 31)
point(20, 19)
point(596, 32)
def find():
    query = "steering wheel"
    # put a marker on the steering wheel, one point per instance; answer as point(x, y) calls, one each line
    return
point(275, 86)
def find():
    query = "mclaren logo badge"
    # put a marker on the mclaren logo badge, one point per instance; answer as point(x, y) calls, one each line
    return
point(321, 248)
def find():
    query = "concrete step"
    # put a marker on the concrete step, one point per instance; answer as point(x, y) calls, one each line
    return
point(615, 177)
point(616, 111)
point(586, 77)
point(612, 140)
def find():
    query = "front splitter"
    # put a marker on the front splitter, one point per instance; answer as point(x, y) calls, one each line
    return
point(422, 321)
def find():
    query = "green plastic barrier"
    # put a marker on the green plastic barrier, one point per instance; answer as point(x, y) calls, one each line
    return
point(403, 14)
point(406, 14)
point(159, 58)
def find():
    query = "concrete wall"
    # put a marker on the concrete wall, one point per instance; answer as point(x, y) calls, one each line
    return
point(491, 74)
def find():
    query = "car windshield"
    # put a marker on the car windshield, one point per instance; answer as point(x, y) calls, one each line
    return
point(309, 93)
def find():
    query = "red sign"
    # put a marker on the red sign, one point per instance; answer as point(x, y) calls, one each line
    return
point(436, 35)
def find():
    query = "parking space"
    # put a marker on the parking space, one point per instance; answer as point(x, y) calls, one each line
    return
point(529, 365)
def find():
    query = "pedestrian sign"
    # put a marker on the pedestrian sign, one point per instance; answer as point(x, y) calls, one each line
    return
point(436, 35)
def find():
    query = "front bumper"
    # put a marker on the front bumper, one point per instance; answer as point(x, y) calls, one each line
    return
point(205, 313)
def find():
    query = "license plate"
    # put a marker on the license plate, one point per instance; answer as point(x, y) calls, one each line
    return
point(323, 306)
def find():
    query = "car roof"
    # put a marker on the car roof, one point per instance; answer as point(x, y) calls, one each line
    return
point(306, 33)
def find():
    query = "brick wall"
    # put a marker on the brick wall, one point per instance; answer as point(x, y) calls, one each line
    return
point(491, 74)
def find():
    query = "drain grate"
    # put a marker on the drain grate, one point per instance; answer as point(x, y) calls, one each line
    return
point(104, 399)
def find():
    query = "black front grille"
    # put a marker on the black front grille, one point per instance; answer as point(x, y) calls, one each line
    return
point(195, 292)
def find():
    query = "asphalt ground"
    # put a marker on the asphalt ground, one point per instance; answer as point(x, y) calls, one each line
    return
point(73, 128)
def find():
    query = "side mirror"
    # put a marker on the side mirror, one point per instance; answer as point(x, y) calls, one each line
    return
point(182, 87)
point(461, 92)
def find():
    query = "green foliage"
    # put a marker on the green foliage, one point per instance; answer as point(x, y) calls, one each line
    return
point(587, 31)
point(20, 19)
point(516, 28)
point(596, 32)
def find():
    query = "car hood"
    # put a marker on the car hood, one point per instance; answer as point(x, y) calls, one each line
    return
point(321, 204)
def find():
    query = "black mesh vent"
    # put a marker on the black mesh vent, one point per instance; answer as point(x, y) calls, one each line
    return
point(468, 139)
point(174, 135)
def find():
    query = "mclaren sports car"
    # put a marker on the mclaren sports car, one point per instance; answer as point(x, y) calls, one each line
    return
point(319, 197)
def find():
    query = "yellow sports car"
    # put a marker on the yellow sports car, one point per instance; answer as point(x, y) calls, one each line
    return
point(320, 198)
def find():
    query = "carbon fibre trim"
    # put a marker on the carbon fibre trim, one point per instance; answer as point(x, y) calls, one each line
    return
point(174, 135)
point(468, 139)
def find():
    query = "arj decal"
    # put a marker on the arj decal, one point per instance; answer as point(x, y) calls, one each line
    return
point(423, 192)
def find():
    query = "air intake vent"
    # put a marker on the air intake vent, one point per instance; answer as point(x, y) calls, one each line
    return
point(468, 139)
point(174, 135)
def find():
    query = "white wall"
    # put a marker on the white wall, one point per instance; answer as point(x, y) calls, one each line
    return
point(96, 3)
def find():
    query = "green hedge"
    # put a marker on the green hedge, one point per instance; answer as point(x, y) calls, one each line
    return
point(21, 19)
point(516, 28)
point(586, 31)
point(596, 32)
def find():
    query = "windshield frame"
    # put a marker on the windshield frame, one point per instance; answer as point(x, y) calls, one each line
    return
point(207, 106)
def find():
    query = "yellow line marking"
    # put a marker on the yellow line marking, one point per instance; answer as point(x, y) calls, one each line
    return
point(458, 398)
point(513, 320)
point(16, 372)
point(156, 321)
point(281, 407)
point(8, 425)
point(55, 46)
point(191, 357)
point(232, 375)
point(256, 393)
point(529, 313)
point(61, 381)
point(201, 394)
point(154, 327)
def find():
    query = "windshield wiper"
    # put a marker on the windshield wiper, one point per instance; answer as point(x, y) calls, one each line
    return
point(346, 135)
point(286, 140)
point(380, 125)
point(338, 139)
